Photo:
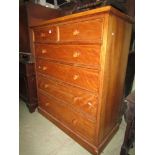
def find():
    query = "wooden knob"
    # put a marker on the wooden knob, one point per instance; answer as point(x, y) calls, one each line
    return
point(47, 104)
point(39, 67)
point(42, 34)
point(49, 31)
point(76, 32)
point(46, 86)
point(75, 77)
point(43, 51)
point(76, 98)
point(74, 121)
point(76, 54)
point(89, 103)
point(44, 68)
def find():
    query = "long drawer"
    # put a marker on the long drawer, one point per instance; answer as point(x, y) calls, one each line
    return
point(76, 98)
point(46, 34)
point(85, 31)
point(85, 78)
point(66, 116)
point(79, 54)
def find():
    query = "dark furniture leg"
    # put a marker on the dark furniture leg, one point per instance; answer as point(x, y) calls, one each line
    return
point(130, 129)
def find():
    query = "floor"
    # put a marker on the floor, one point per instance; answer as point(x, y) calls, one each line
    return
point(38, 136)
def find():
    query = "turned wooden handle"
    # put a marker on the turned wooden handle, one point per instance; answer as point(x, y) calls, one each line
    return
point(76, 98)
point(76, 32)
point(75, 77)
point(43, 51)
point(44, 68)
point(89, 103)
point(76, 54)
point(46, 86)
point(49, 31)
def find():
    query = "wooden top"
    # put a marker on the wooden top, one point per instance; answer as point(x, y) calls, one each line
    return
point(101, 10)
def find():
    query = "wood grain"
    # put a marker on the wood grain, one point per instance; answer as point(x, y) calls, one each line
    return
point(84, 65)
point(82, 77)
point(46, 34)
point(87, 55)
point(117, 48)
point(78, 99)
point(85, 14)
point(79, 31)
point(73, 120)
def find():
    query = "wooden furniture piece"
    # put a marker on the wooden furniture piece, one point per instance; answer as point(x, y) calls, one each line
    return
point(27, 83)
point(129, 136)
point(29, 15)
point(80, 66)
point(130, 73)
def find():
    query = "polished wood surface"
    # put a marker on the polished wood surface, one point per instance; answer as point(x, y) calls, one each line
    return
point(46, 34)
point(82, 77)
point(79, 31)
point(116, 48)
point(80, 100)
point(88, 55)
point(62, 112)
point(80, 73)
point(38, 13)
point(106, 9)
point(24, 40)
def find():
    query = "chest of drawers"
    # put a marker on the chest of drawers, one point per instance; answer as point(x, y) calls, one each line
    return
point(80, 66)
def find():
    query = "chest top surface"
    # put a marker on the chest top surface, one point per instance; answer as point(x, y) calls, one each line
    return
point(89, 13)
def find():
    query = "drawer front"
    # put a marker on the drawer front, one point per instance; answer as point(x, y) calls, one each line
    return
point(76, 98)
point(87, 31)
point(46, 34)
point(82, 77)
point(80, 54)
point(68, 117)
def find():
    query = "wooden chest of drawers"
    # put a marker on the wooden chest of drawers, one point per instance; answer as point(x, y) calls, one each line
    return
point(80, 65)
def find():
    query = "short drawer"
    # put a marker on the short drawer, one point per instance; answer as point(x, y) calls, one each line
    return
point(82, 77)
point(67, 117)
point(76, 98)
point(85, 31)
point(79, 54)
point(46, 34)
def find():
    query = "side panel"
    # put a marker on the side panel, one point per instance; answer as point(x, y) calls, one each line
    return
point(113, 73)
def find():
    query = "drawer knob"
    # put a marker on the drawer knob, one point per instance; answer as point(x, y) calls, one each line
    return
point(44, 68)
point(46, 104)
point(46, 86)
point(39, 67)
point(75, 99)
point(74, 121)
point(43, 51)
point(42, 34)
point(90, 104)
point(76, 54)
point(75, 77)
point(76, 32)
point(49, 31)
